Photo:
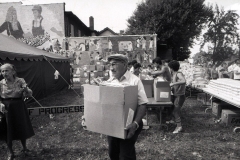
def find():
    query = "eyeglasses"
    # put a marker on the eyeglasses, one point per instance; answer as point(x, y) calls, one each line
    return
point(113, 64)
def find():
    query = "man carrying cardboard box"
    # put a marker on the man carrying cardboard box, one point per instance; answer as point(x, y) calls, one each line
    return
point(125, 148)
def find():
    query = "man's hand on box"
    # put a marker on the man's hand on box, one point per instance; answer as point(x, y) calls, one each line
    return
point(131, 128)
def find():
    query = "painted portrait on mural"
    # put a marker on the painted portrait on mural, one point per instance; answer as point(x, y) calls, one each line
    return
point(40, 26)
point(125, 46)
point(11, 24)
point(37, 28)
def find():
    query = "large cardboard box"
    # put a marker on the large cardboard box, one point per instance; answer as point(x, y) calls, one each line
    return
point(148, 87)
point(162, 91)
point(108, 110)
point(230, 117)
point(217, 108)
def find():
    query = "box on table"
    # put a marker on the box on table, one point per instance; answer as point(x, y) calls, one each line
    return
point(84, 74)
point(94, 74)
point(230, 117)
point(100, 67)
point(162, 91)
point(217, 108)
point(84, 80)
point(100, 73)
point(108, 110)
point(148, 87)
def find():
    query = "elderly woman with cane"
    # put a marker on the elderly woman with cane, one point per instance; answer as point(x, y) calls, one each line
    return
point(12, 92)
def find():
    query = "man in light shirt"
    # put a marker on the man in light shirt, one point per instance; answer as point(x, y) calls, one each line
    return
point(236, 70)
point(231, 68)
point(125, 148)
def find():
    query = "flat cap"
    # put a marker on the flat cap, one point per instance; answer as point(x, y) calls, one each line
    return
point(37, 7)
point(119, 57)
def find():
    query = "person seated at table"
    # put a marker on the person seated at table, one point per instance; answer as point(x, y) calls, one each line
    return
point(213, 72)
point(137, 69)
point(178, 86)
point(206, 71)
point(223, 70)
point(236, 70)
point(162, 70)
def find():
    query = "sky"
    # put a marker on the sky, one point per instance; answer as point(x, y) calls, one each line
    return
point(114, 13)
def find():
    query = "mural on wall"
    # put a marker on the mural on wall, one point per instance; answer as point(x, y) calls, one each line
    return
point(41, 26)
point(89, 50)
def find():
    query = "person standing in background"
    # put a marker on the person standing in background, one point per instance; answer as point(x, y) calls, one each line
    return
point(162, 70)
point(137, 69)
point(178, 85)
point(12, 91)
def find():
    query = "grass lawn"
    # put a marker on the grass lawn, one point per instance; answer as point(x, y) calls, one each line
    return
point(62, 138)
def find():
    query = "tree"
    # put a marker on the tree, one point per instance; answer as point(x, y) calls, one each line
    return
point(221, 33)
point(176, 22)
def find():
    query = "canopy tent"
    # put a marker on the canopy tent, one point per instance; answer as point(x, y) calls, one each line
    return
point(35, 66)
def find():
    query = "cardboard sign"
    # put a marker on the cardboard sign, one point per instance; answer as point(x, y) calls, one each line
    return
point(54, 110)
point(109, 109)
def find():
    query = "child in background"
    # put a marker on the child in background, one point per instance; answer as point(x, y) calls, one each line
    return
point(149, 68)
point(213, 72)
point(137, 69)
point(178, 86)
point(129, 65)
